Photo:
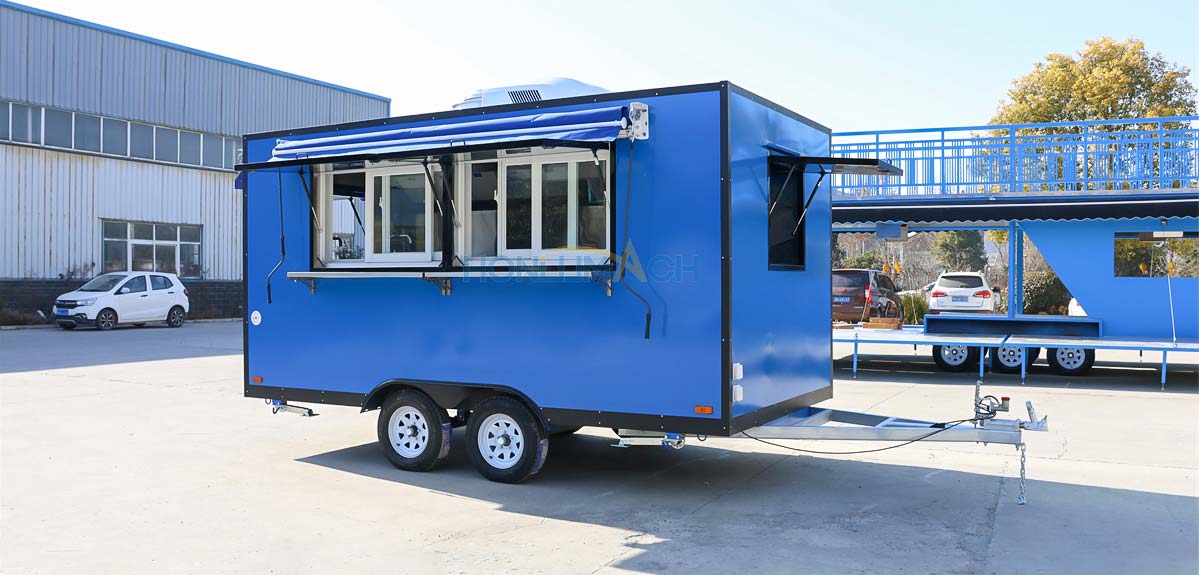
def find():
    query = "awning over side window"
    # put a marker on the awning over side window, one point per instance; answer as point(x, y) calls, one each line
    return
point(596, 125)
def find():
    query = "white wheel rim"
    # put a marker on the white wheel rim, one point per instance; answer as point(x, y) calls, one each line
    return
point(501, 441)
point(176, 316)
point(954, 354)
point(1011, 356)
point(1070, 357)
point(409, 431)
point(106, 319)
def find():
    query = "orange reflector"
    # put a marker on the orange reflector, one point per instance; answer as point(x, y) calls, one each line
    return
point(703, 409)
point(256, 379)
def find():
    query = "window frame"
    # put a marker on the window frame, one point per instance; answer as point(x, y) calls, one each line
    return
point(536, 254)
point(424, 257)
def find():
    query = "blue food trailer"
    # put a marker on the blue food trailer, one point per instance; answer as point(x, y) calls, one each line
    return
point(656, 262)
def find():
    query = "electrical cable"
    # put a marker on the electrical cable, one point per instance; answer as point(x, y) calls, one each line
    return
point(940, 427)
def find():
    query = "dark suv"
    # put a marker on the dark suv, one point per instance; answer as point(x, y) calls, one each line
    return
point(859, 295)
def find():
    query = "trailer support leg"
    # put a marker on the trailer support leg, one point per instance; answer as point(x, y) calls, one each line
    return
point(1163, 370)
point(982, 361)
point(855, 357)
point(1023, 366)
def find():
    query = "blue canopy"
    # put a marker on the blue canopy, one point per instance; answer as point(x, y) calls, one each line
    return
point(592, 125)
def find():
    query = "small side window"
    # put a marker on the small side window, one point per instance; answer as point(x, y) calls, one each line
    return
point(1156, 254)
point(160, 282)
point(785, 230)
point(135, 285)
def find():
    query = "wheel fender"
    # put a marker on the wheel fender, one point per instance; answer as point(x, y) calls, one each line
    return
point(451, 395)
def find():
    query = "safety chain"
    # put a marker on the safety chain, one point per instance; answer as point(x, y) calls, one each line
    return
point(1020, 500)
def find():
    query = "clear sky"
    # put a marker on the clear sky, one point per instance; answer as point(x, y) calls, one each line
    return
point(857, 65)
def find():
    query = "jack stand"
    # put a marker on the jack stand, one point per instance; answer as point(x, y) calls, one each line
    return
point(281, 406)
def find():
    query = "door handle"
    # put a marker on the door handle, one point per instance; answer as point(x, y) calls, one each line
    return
point(145, 295)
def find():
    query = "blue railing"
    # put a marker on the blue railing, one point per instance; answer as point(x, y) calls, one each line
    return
point(1100, 156)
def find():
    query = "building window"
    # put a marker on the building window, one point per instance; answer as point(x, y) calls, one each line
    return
point(214, 152)
point(115, 137)
point(87, 133)
point(141, 141)
point(189, 148)
point(785, 230)
point(1156, 254)
point(58, 128)
point(26, 124)
point(166, 144)
point(168, 248)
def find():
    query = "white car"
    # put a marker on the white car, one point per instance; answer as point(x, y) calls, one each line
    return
point(124, 297)
point(962, 292)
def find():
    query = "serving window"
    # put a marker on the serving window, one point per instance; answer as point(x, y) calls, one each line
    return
point(516, 207)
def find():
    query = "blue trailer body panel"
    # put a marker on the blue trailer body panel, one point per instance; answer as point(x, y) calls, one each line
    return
point(1081, 252)
point(780, 318)
point(561, 342)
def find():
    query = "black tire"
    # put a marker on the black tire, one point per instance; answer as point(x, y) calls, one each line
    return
point(422, 434)
point(1070, 360)
point(564, 430)
point(504, 419)
point(949, 358)
point(106, 319)
point(67, 326)
point(998, 366)
point(175, 316)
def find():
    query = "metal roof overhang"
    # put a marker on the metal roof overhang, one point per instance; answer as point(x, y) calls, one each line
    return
point(822, 165)
point(592, 128)
point(1029, 206)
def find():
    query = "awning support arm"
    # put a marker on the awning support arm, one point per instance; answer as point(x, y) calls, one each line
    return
point(311, 206)
point(282, 240)
point(808, 203)
point(782, 189)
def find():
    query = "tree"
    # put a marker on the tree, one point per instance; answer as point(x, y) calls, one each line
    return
point(1108, 80)
point(960, 251)
point(870, 260)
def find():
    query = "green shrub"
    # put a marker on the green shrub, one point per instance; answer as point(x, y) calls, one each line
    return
point(1045, 293)
point(914, 308)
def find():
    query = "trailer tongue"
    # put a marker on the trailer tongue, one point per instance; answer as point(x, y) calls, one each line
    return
point(816, 423)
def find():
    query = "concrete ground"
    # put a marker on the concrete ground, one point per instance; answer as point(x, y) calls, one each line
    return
point(133, 452)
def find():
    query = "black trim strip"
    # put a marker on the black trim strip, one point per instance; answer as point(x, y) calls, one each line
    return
point(555, 416)
point(779, 108)
point(482, 111)
point(726, 263)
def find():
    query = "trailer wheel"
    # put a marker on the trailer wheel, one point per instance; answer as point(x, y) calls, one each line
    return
point(1070, 360)
point(1008, 359)
point(413, 431)
point(505, 442)
point(955, 357)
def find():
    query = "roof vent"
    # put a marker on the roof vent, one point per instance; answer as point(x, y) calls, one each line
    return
point(523, 96)
point(529, 93)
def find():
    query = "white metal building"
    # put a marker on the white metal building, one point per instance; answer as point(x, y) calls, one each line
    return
point(116, 150)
